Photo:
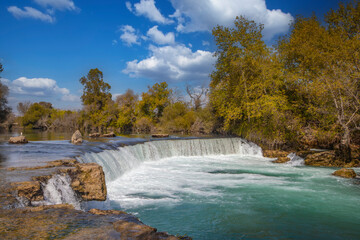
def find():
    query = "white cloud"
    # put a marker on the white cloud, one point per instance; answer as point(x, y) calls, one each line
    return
point(129, 35)
point(205, 43)
point(203, 15)
point(57, 4)
point(159, 37)
point(40, 87)
point(148, 9)
point(30, 12)
point(173, 63)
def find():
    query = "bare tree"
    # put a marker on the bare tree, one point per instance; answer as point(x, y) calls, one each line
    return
point(23, 107)
point(197, 95)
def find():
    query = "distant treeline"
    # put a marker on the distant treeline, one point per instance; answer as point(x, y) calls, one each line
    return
point(303, 91)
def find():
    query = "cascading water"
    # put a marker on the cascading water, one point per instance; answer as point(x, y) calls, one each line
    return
point(225, 189)
point(117, 162)
point(58, 191)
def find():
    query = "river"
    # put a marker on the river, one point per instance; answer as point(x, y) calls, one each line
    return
point(213, 188)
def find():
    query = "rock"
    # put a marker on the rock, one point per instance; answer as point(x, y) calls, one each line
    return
point(280, 155)
point(275, 153)
point(76, 137)
point(328, 159)
point(46, 207)
point(112, 134)
point(105, 212)
point(281, 160)
point(94, 135)
point(30, 190)
point(160, 135)
point(345, 173)
point(18, 140)
point(88, 180)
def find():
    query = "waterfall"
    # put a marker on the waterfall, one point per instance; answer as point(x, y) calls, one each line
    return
point(58, 191)
point(295, 160)
point(116, 162)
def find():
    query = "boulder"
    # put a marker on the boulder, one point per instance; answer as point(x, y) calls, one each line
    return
point(76, 137)
point(88, 180)
point(18, 140)
point(280, 155)
point(30, 190)
point(345, 173)
point(112, 134)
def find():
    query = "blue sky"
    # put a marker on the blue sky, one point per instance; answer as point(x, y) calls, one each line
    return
point(46, 46)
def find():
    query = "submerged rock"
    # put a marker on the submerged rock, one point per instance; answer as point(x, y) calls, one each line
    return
point(345, 173)
point(18, 140)
point(76, 137)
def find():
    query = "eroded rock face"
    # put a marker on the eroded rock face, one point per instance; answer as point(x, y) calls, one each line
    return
point(327, 159)
point(30, 190)
point(76, 137)
point(18, 140)
point(345, 173)
point(88, 180)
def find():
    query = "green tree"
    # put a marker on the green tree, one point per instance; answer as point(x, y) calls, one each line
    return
point(324, 62)
point(96, 98)
point(38, 115)
point(126, 104)
point(4, 108)
point(154, 101)
point(246, 87)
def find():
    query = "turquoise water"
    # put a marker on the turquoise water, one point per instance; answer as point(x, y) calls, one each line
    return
point(239, 197)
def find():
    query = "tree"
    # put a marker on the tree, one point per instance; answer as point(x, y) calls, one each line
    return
point(154, 101)
point(126, 104)
point(38, 115)
point(246, 87)
point(197, 96)
point(324, 61)
point(96, 98)
point(4, 91)
point(23, 107)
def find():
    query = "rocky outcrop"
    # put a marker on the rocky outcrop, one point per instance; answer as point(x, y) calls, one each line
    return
point(76, 137)
point(88, 180)
point(105, 212)
point(280, 155)
point(30, 190)
point(18, 140)
point(345, 173)
point(327, 159)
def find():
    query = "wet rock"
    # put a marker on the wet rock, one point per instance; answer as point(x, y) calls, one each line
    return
point(280, 155)
point(327, 159)
point(46, 207)
point(106, 212)
point(76, 137)
point(30, 190)
point(112, 134)
point(88, 180)
point(18, 140)
point(281, 160)
point(131, 230)
point(94, 135)
point(345, 173)
point(52, 164)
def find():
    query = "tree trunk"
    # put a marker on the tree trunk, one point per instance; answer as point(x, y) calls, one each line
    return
point(344, 151)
